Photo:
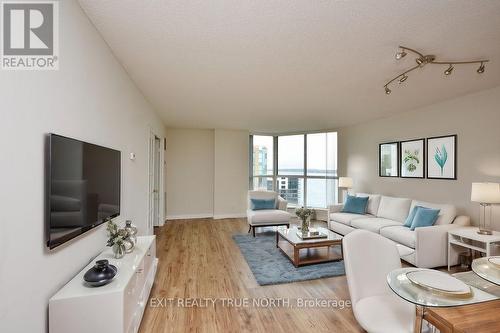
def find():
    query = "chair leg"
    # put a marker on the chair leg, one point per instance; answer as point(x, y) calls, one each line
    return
point(249, 228)
point(253, 231)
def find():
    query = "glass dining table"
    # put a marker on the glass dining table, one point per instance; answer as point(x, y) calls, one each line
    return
point(481, 289)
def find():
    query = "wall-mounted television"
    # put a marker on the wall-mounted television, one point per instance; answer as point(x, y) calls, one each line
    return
point(83, 187)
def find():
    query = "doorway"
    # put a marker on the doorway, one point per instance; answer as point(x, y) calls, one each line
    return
point(155, 181)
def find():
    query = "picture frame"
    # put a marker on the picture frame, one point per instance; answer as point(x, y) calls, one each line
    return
point(442, 157)
point(412, 158)
point(388, 159)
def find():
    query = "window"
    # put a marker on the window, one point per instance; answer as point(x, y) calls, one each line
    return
point(321, 169)
point(301, 168)
point(291, 155)
point(262, 153)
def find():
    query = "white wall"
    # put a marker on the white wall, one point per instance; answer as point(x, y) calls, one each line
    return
point(190, 173)
point(476, 120)
point(231, 173)
point(206, 173)
point(90, 98)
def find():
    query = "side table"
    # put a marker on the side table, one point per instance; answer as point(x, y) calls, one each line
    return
point(468, 237)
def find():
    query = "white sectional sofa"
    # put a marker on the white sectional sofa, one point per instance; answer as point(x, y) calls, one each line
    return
point(425, 247)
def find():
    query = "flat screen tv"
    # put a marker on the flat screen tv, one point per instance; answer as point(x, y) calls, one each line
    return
point(83, 187)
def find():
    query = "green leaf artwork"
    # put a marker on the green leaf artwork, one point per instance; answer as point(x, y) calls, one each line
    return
point(411, 159)
point(441, 156)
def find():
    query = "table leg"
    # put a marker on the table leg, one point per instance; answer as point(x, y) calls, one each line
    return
point(419, 319)
point(277, 238)
point(296, 256)
point(488, 248)
point(449, 252)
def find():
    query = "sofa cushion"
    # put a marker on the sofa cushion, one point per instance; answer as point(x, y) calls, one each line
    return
point(340, 228)
point(396, 209)
point(373, 224)
point(345, 218)
point(373, 202)
point(355, 205)
point(447, 212)
point(400, 234)
point(268, 216)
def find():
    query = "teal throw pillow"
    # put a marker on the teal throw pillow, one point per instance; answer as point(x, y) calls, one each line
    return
point(425, 217)
point(355, 205)
point(409, 219)
point(259, 204)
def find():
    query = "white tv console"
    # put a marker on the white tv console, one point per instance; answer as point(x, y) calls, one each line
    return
point(114, 308)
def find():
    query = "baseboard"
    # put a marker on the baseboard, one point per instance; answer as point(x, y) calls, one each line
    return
point(189, 216)
point(206, 216)
point(229, 216)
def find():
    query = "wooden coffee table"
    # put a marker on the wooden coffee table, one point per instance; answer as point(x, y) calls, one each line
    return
point(308, 251)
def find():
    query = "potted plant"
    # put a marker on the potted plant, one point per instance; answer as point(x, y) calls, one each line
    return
point(116, 239)
point(304, 214)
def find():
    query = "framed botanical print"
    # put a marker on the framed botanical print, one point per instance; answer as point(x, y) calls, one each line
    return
point(388, 161)
point(442, 157)
point(412, 160)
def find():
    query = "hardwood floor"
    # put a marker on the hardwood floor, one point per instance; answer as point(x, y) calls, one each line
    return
point(199, 260)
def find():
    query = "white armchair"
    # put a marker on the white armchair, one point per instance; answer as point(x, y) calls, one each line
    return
point(368, 258)
point(267, 217)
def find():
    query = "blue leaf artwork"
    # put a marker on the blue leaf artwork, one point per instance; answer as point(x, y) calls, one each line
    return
point(441, 156)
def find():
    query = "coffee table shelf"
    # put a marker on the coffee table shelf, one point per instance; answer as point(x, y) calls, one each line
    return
point(308, 251)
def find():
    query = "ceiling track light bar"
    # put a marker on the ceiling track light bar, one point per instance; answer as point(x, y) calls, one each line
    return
point(423, 60)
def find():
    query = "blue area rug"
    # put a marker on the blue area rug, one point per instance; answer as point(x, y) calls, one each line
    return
point(270, 266)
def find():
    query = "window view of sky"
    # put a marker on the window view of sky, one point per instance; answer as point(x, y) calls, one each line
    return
point(291, 155)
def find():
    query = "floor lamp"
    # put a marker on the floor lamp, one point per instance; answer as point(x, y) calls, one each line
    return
point(345, 183)
point(486, 194)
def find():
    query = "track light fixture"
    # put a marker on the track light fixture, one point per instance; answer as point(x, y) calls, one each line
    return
point(400, 54)
point(423, 60)
point(480, 70)
point(448, 70)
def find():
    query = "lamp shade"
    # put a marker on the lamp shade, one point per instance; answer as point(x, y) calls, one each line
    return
point(345, 182)
point(488, 193)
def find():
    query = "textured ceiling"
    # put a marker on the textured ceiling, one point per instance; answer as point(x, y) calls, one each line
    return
point(275, 66)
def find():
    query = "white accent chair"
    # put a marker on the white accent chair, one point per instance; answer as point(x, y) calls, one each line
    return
point(267, 217)
point(368, 258)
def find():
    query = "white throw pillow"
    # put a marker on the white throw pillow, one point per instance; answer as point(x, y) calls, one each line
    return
point(373, 202)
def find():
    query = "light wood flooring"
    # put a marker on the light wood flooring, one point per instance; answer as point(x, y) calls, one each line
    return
point(198, 259)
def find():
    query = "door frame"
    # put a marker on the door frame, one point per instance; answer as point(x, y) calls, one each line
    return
point(161, 191)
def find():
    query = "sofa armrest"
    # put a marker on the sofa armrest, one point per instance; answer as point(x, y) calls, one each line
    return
point(334, 209)
point(282, 203)
point(431, 246)
point(462, 220)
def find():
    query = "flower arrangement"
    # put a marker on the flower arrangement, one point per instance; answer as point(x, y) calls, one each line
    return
point(116, 238)
point(304, 214)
